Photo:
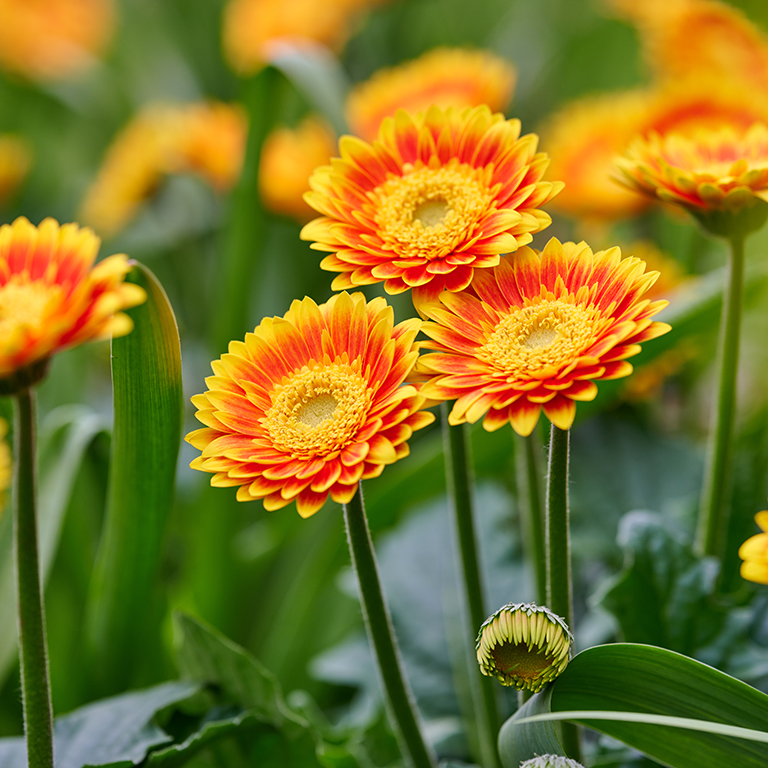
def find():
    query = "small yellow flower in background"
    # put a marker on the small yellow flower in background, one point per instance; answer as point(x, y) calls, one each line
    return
point(51, 295)
point(444, 77)
point(206, 138)
point(711, 172)
point(435, 200)
point(53, 39)
point(15, 161)
point(250, 27)
point(311, 403)
point(754, 552)
point(523, 645)
point(288, 158)
point(535, 332)
point(6, 464)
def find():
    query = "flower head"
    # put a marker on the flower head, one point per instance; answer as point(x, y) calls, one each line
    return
point(714, 171)
point(51, 295)
point(444, 77)
point(551, 761)
point(754, 552)
point(524, 645)
point(53, 39)
point(535, 332)
point(311, 403)
point(288, 158)
point(434, 200)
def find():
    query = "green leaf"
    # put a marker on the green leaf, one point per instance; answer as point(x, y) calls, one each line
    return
point(654, 682)
point(123, 622)
point(117, 731)
point(65, 435)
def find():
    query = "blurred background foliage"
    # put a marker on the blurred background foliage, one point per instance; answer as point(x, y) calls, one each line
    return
point(280, 586)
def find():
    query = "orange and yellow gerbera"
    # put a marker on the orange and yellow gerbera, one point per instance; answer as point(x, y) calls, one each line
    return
point(51, 295)
point(754, 552)
point(434, 200)
point(535, 332)
point(710, 171)
point(311, 403)
point(444, 77)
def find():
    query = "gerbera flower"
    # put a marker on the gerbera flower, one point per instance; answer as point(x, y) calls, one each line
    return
point(288, 158)
point(445, 77)
point(436, 198)
point(207, 139)
point(310, 404)
point(535, 332)
point(53, 39)
point(754, 552)
point(50, 296)
point(710, 172)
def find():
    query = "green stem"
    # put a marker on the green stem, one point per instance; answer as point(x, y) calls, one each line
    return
point(527, 452)
point(558, 544)
point(33, 652)
point(397, 693)
point(459, 480)
point(714, 509)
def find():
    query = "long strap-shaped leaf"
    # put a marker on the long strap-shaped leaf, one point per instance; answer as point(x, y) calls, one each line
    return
point(123, 619)
point(629, 678)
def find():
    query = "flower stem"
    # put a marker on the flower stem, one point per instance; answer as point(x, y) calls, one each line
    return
point(35, 682)
point(713, 511)
point(397, 693)
point(459, 480)
point(558, 544)
point(527, 451)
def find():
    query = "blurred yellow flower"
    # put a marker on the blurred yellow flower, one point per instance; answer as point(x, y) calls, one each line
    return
point(206, 138)
point(445, 77)
point(754, 552)
point(53, 39)
point(6, 464)
point(251, 26)
point(288, 158)
point(51, 295)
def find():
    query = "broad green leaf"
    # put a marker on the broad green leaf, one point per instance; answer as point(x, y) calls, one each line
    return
point(65, 434)
point(146, 370)
point(653, 682)
point(117, 731)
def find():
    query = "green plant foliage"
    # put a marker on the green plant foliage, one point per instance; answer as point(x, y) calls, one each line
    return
point(122, 619)
point(651, 681)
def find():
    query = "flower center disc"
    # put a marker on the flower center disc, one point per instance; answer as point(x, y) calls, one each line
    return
point(318, 411)
point(24, 304)
point(549, 333)
point(518, 660)
point(429, 212)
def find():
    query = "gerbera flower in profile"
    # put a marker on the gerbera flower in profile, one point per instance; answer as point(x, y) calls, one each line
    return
point(443, 77)
point(535, 332)
point(51, 295)
point(434, 200)
point(310, 404)
point(288, 158)
point(207, 139)
point(754, 552)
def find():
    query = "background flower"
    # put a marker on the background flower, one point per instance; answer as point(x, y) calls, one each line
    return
point(754, 552)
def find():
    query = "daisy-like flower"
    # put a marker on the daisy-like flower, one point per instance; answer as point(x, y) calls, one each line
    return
point(310, 404)
point(433, 201)
point(51, 295)
point(288, 158)
point(535, 332)
point(445, 77)
point(53, 39)
point(523, 645)
point(754, 552)
point(712, 172)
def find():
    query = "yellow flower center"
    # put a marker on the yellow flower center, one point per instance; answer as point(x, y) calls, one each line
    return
point(548, 333)
point(24, 304)
point(518, 660)
point(318, 411)
point(429, 212)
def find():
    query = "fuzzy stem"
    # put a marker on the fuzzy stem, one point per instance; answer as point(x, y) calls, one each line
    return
point(33, 652)
point(527, 451)
point(714, 509)
point(459, 480)
point(397, 693)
